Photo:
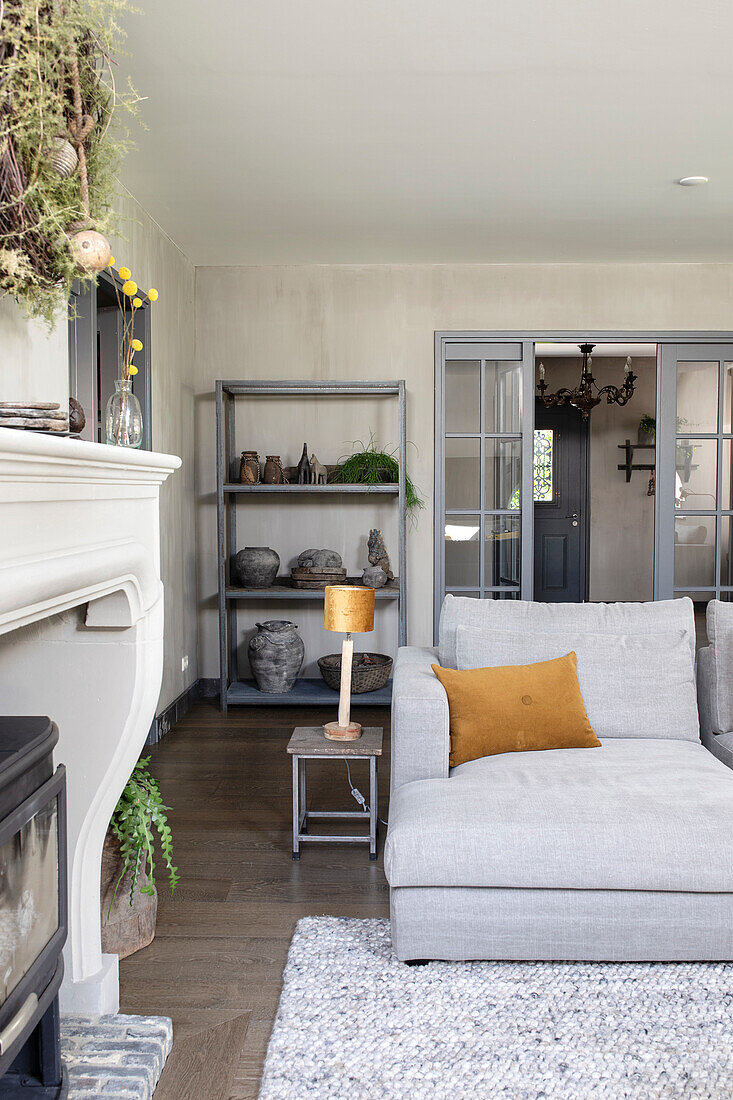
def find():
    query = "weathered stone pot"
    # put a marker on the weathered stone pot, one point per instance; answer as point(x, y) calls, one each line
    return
point(125, 928)
point(276, 655)
point(255, 567)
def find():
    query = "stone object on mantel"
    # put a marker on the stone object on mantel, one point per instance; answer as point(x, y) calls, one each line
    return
point(60, 425)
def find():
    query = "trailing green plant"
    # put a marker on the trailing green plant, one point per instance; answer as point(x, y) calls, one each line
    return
point(57, 84)
point(139, 811)
point(648, 424)
point(371, 466)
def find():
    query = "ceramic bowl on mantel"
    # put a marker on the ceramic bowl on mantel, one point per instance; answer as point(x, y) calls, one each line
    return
point(255, 567)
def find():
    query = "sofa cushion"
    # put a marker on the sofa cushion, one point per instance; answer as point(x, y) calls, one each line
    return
point(561, 618)
point(720, 635)
point(515, 708)
point(632, 686)
point(632, 815)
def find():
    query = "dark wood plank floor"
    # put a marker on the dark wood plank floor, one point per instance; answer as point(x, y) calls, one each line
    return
point(216, 963)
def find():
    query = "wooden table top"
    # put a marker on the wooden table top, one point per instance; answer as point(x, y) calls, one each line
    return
point(312, 741)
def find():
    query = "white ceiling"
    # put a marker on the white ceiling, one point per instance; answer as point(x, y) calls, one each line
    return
point(405, 131)
point(556, 350)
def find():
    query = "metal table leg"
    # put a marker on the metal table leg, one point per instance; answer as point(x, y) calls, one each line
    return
point(303, 819)
point(296, 807)
point(373, 799)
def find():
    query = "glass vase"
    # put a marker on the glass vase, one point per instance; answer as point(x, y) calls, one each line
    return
point(123, 418)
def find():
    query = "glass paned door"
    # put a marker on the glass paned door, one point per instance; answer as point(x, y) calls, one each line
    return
point(484, 469)
point(695, 441)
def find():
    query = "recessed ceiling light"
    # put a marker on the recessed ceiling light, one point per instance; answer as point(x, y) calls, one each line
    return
point(692, 181)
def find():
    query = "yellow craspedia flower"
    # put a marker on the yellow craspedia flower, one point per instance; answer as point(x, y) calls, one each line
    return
point(125, 273)
point(129, 288)
point(137, 345)
point(137, 302)
point(153, 294)
point(133, 370)
point(111, 262)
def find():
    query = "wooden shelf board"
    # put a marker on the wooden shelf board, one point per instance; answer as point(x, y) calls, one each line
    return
point(306, 692)
point(235, 488)
point(283, 590)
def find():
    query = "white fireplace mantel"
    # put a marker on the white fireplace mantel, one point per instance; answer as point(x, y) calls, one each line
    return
point(81, 639)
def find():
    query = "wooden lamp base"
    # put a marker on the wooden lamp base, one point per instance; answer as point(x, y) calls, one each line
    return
point(335, 732)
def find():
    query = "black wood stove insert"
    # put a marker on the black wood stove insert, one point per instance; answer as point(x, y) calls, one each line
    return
point(32, 909)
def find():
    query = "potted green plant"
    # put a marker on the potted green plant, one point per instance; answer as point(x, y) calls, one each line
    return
point(371, 466)
point(647, 430)
point(128, 888)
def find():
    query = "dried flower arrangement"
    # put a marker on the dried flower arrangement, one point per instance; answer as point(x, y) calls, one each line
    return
point(58, 155)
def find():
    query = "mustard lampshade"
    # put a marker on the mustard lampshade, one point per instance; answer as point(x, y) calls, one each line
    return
point(348, 609)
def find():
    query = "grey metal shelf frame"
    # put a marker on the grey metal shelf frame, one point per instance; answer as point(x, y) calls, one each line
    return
point(232, 690)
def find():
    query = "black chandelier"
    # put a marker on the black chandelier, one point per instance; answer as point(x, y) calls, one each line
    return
point(587, 395)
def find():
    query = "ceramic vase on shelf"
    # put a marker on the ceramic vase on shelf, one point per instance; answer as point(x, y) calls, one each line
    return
point(255, 567)
point(276, 655)
point(123, 418)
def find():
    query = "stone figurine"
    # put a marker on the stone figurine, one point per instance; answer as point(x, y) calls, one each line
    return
point(304, 467)
point(318, 473)
point(319, 559)
point(276, 655)
point(374, 577)
point(378, 555)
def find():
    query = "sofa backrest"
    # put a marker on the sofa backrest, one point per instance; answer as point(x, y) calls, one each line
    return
point(561, 618)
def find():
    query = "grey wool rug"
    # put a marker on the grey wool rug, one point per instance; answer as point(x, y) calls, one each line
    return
point(356, 1024)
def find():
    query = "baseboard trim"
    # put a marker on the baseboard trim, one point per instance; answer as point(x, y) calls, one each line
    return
point(208, 687)
point(164, 722)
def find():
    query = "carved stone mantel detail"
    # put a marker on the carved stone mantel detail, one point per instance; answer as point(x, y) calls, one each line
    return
point(81, 639)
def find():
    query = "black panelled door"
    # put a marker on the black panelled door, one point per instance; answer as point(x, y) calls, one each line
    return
point(560, 505)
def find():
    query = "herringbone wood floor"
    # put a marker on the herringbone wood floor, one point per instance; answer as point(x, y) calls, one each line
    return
point(215, 965)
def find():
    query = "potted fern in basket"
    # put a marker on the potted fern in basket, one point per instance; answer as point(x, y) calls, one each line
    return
point(129, 894)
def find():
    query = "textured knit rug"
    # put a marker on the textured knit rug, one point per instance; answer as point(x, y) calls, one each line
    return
point(356, 1024)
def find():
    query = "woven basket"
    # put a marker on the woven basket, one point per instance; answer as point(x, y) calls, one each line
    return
point(369, 672)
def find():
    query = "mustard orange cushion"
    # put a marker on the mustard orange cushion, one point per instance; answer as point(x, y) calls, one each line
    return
point(516, 708)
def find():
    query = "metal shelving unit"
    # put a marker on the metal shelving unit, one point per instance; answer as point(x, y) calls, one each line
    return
point(232, 690)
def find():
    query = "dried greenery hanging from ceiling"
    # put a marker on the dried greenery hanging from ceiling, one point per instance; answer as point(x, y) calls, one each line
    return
point(57, 101)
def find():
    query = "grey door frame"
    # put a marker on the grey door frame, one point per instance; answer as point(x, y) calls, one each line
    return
point(669, 355)
point(448, 346)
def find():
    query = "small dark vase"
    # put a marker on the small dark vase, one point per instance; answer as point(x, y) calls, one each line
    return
point(255, 567)
point(304, 467)
point(276, 655)
point(249, 468)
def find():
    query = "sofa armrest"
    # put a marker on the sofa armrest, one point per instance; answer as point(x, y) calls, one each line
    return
point(719, 744)
point(420, 738)
point(705, 689)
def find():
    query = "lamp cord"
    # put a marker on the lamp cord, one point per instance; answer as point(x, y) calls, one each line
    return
point(356, 794)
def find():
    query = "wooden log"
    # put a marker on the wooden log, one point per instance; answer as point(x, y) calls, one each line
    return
point(125, 928)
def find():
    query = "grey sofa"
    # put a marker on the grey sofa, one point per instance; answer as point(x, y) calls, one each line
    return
point(622, 852)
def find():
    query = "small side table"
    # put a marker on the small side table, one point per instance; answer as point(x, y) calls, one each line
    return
point(310, 743)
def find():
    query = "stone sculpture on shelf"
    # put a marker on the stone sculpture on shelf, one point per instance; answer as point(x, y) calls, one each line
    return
point(318, 473)
point(320, 559)
point(378, 556)
point(304, 467)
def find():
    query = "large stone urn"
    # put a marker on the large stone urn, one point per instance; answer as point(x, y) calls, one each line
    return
point(276, 655)
point(255, 567)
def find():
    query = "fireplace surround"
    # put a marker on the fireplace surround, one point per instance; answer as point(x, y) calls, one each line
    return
point(81, 638)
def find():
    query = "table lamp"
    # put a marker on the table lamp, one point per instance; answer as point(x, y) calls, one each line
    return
point(349, 609)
